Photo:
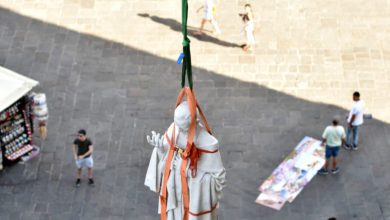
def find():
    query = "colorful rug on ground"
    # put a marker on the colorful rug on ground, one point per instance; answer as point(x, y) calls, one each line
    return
point(293, 174)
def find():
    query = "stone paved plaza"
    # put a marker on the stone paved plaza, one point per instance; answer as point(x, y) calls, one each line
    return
point(109, 66)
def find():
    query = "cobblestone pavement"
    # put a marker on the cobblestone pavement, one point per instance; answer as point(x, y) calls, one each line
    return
point(108, 66)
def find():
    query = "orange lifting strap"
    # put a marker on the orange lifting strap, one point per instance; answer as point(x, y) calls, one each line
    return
point(191, 152)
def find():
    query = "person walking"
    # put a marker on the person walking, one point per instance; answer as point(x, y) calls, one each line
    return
point(82, 151)
point(355, 120)
point(333, 137)
point(249, 27)
point(208, 16)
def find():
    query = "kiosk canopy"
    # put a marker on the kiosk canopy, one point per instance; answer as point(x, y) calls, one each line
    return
point(13, 86)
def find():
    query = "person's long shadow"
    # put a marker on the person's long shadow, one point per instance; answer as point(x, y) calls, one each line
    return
point(176, 26)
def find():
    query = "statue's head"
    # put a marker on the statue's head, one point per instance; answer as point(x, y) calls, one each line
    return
point(182, 117)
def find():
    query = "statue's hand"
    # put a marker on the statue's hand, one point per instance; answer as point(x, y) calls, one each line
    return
point(156, 140)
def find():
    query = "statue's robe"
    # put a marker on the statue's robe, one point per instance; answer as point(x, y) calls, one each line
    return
point(205, 189)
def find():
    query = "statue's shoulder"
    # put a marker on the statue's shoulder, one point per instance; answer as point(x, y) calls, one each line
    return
point(205, 140)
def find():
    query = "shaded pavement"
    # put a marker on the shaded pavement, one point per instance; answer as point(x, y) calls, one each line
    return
point(119, 94)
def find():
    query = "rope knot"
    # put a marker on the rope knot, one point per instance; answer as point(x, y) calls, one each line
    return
point(186, 42)
point(193, 154)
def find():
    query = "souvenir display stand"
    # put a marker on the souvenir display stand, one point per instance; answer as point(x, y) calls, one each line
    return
point(16, 117)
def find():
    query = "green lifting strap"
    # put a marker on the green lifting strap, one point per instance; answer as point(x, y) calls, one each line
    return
point(186, 68)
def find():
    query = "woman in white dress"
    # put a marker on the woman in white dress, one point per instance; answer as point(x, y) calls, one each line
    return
point(209, 16)
point(249, 28)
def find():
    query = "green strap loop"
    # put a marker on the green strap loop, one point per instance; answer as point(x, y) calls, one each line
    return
point(184, 16)
point(186, 68)
point(186, 42)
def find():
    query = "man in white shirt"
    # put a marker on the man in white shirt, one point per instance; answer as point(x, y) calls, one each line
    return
point(355, 120)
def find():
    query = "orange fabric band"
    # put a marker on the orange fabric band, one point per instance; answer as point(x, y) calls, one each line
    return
point(163, 197)
point(208, 151)
point(191, 152)
point(206, 212)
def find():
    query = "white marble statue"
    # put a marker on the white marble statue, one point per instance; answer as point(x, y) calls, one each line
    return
point(204, 183)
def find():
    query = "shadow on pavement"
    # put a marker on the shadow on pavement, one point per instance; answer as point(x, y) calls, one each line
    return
point(176, 26)
point(119, 94)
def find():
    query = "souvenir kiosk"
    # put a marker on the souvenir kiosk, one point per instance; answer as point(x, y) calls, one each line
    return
point(16, 117)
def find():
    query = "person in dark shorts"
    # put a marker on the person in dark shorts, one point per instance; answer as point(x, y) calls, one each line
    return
point(334, 137)
point(82, 151)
